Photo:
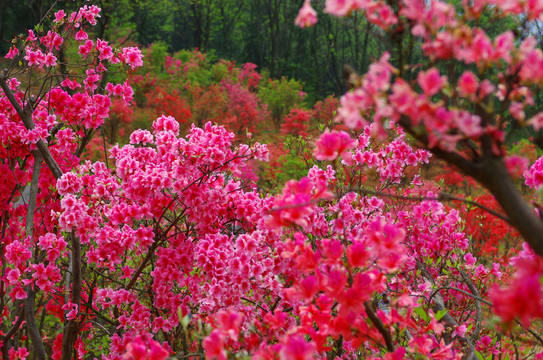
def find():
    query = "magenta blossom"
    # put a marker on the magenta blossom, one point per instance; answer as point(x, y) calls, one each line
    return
point(331, 145)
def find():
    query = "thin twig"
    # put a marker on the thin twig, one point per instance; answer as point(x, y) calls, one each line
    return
point(531, 332)
point(16, 325)
point(441, 197)
point(254, 303)
point(436, 291)
point(477, 298)
point(439, 305)
point(201, 356)
point(478, 308)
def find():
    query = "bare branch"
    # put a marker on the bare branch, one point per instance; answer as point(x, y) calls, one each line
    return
point(379, 325)
point(439, 305)
point(478, 309)
point(33, 331)
point(26, 117)
point(441, 197)
point(71, 328)
point(11, 332)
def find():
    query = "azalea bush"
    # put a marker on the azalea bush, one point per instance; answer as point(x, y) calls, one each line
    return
point(194, 87)
point(167, 247)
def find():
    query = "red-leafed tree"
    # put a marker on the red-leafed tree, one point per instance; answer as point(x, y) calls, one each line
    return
point(296, 122)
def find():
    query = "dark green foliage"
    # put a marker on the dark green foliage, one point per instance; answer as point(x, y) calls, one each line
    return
point(257, 31)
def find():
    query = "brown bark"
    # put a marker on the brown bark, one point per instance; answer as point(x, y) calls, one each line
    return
point(490, 171)
point(29, 305)
point(71, 327)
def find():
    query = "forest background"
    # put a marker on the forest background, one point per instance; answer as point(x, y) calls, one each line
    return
point(261, 32)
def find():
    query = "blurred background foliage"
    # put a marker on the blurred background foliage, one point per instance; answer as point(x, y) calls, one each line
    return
point(256, 31)
point(240, 63)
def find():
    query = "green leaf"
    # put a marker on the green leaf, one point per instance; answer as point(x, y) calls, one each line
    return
point(440, 314)
point(185, 321)
point(479, 356)
point(420, 312)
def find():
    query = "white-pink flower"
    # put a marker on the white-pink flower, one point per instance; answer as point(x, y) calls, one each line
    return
point(307, 16)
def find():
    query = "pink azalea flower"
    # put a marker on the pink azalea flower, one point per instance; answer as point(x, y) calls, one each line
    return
point(331, 145)
point(140, 349)
point(470, 259)
point(296, 348)
point(132, 56)
point(351, 106)
point(34, 57)
point(294, 205)
point(430, 81)
point(536, 121)
point(31, 36)
point(468, 83)
point(50, 60)
point(357, 254)
point(81, 35)
point(13, 51)
point(19, 354)
point(504, 44)
point(460, 331)
point(71, 84)
point(339, 7)
point(86, 48)
point(469, 124)
point(510, 302)
point(534, 175)
point(59, 16)
point(516, 165)
point(214, 346)
point(229, 323)
point(13, 276)
point(307, 16)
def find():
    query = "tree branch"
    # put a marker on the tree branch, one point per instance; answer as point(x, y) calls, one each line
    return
point(379, 325)
point(490, 171)
point(441, 197)
point(479, 299)
point(496, 178)
point(436, 291)
point(478, 308)
point(466, 166)
point(71, 328)
point(439, 305)
point(11, 332)
point(33, 331)
point(26, 117)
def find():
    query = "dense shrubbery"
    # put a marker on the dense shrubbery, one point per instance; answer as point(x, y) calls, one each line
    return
point(171, 244)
